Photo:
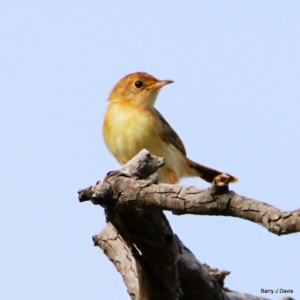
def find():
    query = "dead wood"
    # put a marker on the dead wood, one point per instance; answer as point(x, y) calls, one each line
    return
point(139, 240)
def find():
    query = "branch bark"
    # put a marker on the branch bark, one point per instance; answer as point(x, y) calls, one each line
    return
point(139, 239)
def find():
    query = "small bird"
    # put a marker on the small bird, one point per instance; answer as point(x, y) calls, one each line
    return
point(132, 123)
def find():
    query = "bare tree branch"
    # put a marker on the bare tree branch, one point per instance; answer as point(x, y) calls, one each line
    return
point(114, 247)
point(217, 200)
point(140, 242)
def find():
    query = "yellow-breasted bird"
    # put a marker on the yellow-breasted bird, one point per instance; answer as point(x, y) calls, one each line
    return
point(132, 123)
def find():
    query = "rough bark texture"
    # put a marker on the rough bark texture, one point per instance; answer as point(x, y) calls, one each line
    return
point(139, 240)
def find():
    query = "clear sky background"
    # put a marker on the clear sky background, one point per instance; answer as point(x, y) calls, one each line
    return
point(235, 103)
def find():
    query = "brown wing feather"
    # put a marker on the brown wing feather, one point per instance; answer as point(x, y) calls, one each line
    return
point(169, 135)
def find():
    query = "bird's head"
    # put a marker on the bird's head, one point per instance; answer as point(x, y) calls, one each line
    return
point(140, 89)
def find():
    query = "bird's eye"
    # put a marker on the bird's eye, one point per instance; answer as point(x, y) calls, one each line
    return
point(138, 84)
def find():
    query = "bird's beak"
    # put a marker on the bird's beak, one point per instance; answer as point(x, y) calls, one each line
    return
point(160, 84)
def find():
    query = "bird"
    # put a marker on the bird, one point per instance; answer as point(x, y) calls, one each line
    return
point(132, 123)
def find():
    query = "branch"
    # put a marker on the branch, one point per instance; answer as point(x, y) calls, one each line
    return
point(217, 200)
point(140, 242)
point(114, 247)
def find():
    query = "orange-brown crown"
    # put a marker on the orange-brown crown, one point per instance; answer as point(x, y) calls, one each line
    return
point(137, 88)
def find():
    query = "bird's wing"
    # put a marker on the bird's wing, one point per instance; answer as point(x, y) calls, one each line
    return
point(168, 134)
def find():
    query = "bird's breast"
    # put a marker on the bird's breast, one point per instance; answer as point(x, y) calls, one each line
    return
point(127, 130)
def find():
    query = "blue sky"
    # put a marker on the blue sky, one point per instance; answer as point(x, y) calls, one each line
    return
point(234, 103)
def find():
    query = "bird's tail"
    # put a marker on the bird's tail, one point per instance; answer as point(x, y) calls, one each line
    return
point(206, 173)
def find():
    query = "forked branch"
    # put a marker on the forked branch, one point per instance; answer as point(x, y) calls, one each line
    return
point(140, 242)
